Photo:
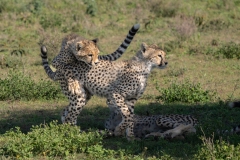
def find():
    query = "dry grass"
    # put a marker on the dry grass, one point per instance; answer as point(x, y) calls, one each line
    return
point(185, 26)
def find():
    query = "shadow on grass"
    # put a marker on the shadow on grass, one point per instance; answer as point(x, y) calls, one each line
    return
point(211, 116)
point(25, 119)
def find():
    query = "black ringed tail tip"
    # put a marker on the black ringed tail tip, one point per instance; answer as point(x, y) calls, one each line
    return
point(44, 50)
point(136, 26)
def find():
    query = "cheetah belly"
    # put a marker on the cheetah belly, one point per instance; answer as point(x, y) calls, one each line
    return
point(100, 80)
point(145, 126)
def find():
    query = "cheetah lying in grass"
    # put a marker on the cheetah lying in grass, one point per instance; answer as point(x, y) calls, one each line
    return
point(164, 126)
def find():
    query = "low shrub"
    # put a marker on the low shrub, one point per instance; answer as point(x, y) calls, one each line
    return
point(51, 20)
point(48, 140)
point(18, 86)
point(217, 150)
point(229, 50)
point(92, 7)
point(186, 92)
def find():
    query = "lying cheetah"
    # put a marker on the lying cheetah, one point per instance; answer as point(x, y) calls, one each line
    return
point(75, 48)
point(122, 83)
point(165, 126)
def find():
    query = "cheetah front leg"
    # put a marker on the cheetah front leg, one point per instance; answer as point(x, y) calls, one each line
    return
point(115, 117)
point(118, 101)
point(76, 103)
point(131, 103)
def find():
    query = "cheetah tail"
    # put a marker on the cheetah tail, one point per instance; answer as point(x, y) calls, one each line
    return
point(45, 64)
point(122, 48)
point(234, 104)
point(234, 130)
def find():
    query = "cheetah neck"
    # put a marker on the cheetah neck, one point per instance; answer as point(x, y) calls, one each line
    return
point(143, 66)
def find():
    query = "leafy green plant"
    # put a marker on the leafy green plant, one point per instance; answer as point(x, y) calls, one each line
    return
point(185, 92)
point(51, 20)
point(176, 72)
point(229, 50)
point(217, 150)
point(164, 8)
point(48, 140)
point(2, 6)
point(91, 7)
point(35, 6)
point(14, 61)
point(18, 86)
point(214, 24)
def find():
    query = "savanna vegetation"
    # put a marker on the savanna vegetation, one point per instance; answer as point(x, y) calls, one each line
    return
point(201, 39)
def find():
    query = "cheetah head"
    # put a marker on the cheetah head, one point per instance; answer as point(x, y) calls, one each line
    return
point(86, 51)
point(153, 55)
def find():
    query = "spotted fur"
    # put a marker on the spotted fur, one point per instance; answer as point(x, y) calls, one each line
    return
point(165, 126)
point(75, 48)
point(122, 83)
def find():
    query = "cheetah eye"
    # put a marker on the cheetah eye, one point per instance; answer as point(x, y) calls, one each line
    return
point(160, 55)
point(90, 55)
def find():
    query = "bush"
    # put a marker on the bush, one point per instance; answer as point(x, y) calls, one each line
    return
point(35, 6)
point(229, 50)
point(217, 150)
point(91, 7)
point(185, 92)
point(18, 86)
point(58, 140)
point(51, 20)
point(48, 140)
point(164, 8)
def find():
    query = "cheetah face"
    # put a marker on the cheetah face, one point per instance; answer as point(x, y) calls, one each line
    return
point(154, 55)
point(87, 51)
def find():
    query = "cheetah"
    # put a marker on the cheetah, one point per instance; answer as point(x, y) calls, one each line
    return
point(75, 48)
point(164, 126)
point(122, 83)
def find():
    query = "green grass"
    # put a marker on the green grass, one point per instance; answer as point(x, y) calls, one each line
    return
point(201, 39)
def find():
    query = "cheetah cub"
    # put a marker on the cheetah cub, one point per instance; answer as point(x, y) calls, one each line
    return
point(121, 82)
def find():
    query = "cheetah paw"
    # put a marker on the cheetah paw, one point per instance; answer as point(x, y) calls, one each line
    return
point(74, 88)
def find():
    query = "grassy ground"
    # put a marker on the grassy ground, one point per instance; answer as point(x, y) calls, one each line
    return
point(194, 35)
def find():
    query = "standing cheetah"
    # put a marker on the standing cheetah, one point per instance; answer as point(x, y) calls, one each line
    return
point(75, 48)
point(122, 83)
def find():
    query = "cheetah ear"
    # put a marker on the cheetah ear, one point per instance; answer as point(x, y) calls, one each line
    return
point(144, 46)
point(95, 40)
point(79, 46)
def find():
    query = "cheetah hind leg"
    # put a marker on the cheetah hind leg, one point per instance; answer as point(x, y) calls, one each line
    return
point(175, 132)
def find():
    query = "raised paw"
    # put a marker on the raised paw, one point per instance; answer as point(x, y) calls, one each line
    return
point(74, 88)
